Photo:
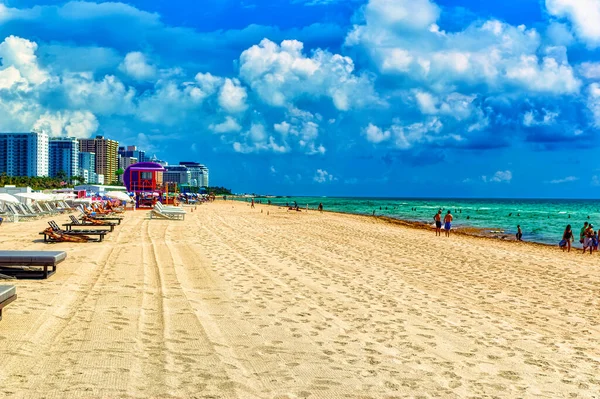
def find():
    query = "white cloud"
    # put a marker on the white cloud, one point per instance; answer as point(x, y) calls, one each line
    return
point(20, 54)
point(280, 74)
point(232, 96)
point(567, 179)
point(492, 54)
point(593, 102)
point(530, 118)
point(584, 15)
point(376, 135)
point(590, 70)
point(322, 176)
point(257, 139)
point(228, 125)
point(501, 176)
point(136, 66)
point(69, 123)
point(413, 14)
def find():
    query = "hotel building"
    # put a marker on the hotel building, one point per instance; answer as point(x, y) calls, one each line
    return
point(63, 156)
point(106, 155)
point(24, 154)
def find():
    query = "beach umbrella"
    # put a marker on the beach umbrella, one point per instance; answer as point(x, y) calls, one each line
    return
point(35, 196)
point(121, 196)
point(8, 198)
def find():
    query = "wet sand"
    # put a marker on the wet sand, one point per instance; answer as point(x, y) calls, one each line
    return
point(235, 303)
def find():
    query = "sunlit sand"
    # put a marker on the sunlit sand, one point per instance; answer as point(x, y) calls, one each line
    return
point(237, 303)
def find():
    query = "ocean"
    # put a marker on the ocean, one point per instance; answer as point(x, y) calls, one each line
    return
point(542, 221)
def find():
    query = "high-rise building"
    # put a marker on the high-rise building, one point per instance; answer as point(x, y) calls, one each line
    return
point(24, 154)
point(64, 156)
point(176, 174)
point(132, 151)
point(124, 163)
point(106, 155)
point(199, 173)
point(87, 167)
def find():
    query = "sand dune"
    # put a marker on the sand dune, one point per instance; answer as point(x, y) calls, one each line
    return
point(235, 303)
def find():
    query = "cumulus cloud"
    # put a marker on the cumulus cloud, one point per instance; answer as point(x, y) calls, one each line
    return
point(69, 123)
point(584, 15)
point(530, 118)
point(257, 139)
point(228, 125)
point(322, 176)
point(593, 102)
point(136, 66)
point(280, 74)
point(501, 176)
point(232, 96)
point(490, 53)
point(376, 135)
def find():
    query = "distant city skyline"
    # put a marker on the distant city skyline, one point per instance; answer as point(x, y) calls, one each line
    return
point(421, 98)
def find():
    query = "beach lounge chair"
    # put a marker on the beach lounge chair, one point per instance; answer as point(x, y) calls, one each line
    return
point(8, 293)
point(46, 260)
point(162, 212)
point(87, 222)
point(97, 216)
point(59, 235)
point(156, 214)
point(20, 214)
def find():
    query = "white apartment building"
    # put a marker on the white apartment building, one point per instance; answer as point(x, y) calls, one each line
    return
point(24, 154)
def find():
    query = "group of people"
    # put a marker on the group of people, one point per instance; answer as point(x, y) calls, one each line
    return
point(447, 223)
point(588, 237)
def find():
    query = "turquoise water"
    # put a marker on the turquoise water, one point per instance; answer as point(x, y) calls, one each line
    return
point(541, 220)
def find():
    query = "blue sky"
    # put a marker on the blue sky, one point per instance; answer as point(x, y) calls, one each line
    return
point(322, 97)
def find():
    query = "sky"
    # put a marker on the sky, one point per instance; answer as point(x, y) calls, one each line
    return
point(392, 98)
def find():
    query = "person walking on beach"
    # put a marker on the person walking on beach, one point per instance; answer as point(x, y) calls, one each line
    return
point(320, 207)
point(252, 204)
point(519, 233)
point(588, 239)
point(448, 223)
point(567, 238)
point(582, 233)
point(438, 223)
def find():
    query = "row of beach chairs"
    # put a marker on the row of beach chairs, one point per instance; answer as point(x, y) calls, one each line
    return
point(20, 212)
point(81, 230)
point(42, 264)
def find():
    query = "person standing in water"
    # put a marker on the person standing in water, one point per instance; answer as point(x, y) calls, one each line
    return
point(448, 223)
point(438, 223)
point(519, 233)
point(567, 238)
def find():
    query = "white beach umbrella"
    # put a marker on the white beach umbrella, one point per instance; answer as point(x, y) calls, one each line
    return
point(35, 196)
point(121, 196)
point(8, 198)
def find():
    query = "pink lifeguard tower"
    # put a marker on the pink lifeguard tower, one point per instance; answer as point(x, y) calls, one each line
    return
point(145, 180)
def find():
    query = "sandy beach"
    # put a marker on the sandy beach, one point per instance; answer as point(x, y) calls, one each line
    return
point(237, 303)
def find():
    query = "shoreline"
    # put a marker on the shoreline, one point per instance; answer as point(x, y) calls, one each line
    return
point(477, 232)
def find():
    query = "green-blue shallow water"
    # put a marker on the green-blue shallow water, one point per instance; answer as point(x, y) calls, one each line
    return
point(541, 220)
